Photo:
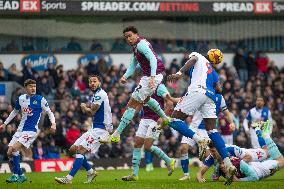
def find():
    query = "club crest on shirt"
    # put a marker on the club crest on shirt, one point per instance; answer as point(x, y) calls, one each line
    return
point(35, 102)
point(28, 111)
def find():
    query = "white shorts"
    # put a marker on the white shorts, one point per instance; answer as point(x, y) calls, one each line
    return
point(90, 139)
point(26, 138)
point(193, 101)
point(257, 154)
point(142, 91)
point(191, 142)
point(148, 129)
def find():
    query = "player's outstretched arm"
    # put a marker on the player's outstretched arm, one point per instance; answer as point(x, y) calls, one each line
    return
point(130, 70)
point(45, 107)
point(200, 174)
point(9, 118)
point(192, 60)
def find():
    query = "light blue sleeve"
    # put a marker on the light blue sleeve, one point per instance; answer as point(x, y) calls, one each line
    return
point(162, 90)
point(131, 69)
point(248, 172)
point(143, 47)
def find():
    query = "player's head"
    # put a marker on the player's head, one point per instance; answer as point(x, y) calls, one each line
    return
point(259, 102)
point(95, 82)
point(215, 56)
point(130, 34)
point(30, 86)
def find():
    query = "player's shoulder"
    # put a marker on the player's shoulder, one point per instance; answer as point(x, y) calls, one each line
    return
point(101, 93)
point(198, 55)
point(38, 97)
point(142, 44)
point(22, 97)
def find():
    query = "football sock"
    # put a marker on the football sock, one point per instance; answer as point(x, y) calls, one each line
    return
point(219, 143)
point(184, 163)
point(126, 119)
point(76, 166)
point(136, 158)
point(156, 150)
point(155, 106)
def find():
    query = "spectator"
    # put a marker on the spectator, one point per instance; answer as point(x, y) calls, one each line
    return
point(79, 83)
point(262, 62)
point(241, 66)
point(53, 152)
point(3, 73)
point(28, 45)
point(251, 63)
point(96, 46)
point(12, 46)
point(174, 65)
point(73, 45)
point(72, 134)
point(29, 72)
point(15, 74)
point(39, 152)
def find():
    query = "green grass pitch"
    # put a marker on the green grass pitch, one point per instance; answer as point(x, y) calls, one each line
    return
point(147, 180)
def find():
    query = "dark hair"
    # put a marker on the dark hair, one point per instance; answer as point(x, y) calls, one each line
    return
point(29, 81)
point(130, 28)
point(97, 76)
point(211, 145)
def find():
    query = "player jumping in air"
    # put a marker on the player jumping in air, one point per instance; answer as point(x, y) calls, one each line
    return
point(204, 83)
point(152, 68)
point(147, 132)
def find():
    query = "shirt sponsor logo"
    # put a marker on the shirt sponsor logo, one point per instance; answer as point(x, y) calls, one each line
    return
point(29, 5)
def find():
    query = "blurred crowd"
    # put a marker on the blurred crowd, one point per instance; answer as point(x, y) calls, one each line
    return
point(252, 75)
point(28, 44)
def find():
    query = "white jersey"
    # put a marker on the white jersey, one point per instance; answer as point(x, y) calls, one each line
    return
point(103, 116)
point(202, 76)
point(255, 115)
point(31, 108)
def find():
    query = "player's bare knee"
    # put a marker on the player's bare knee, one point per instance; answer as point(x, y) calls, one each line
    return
point(133, 103)
point(73, 149)
point(81, 150)
point(138, 142)
point(184, 148)
point(148, 144)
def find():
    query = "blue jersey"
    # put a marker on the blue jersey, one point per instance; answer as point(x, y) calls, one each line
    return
point(31, 108)
point(103, 117)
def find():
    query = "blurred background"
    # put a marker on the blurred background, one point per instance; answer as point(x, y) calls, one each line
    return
point(59, 43)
